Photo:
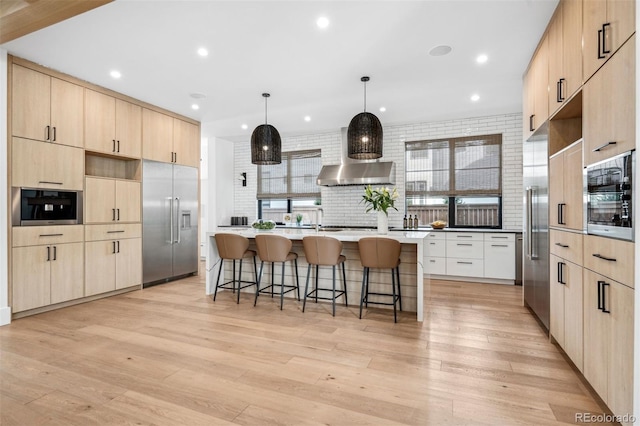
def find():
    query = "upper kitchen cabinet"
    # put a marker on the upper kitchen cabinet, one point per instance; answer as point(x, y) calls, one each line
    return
point(606, 26)
point(112, 126)
point(536, 92)
point(565, 181)
point(46, 108)
point(565, 53)
point(170, 140)
point(609, 111)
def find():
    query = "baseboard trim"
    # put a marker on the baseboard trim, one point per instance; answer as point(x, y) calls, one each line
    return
point(470, 279)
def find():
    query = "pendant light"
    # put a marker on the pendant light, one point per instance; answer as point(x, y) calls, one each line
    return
point(364, 136)
point(265, 142)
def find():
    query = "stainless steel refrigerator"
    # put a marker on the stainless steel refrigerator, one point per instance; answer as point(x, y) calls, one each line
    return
point(169, 221)
point(535, 267)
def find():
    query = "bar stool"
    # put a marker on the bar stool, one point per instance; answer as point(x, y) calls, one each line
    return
point(275, 248)
point(234, 247)
point(380, 253)
point(324, 251)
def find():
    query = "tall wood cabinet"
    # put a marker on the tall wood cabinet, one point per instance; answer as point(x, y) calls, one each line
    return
point(169, 139)
point(535, 95)
point(565, 188)
point(46, 108)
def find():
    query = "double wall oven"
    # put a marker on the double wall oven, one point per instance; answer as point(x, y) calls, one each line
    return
point(609, 191)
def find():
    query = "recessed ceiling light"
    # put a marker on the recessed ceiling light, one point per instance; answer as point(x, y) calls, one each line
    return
point(322, 22)
point(475, 97)
point(203, 52)
point(307, 118)
point(244, 127)
point(115, 74)
point(440, 50)
point(382, 109)
point(481, 59)
point(195, 106)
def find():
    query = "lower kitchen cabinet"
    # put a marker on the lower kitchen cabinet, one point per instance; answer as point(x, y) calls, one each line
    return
point(608, 340)
point(44, 275)
point(112, 265)
point(566, 309)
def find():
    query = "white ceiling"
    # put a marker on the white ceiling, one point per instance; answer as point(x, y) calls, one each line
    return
point(276, 47)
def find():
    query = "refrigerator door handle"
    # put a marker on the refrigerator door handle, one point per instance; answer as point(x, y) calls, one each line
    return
point(530, 199)
point(178, 218)
point(170, 219)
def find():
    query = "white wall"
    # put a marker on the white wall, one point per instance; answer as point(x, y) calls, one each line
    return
point(5, 311)
point(221, 185)
point(636, 346)
point(341, 204)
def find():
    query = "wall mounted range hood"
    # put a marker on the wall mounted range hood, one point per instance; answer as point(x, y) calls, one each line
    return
point(352, 172)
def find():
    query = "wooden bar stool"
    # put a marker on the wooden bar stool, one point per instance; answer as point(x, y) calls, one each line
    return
point(275, 248)
point(380, 253)
point(324, 251)
point(234, 247)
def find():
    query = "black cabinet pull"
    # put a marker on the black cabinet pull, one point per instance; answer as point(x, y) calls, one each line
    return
point(47, 133)
point(118, 246)
point(54, 135)
point(562, 245)
point(51, 183)
point(55, 253)
point(604, 145)
point(600, 308)
point(599, 256)
point(560, 95)
point(600, 43)
point(463, 244)
point(465, 263)
point(48, 253)
point(176, 157)
point(604, 38)
point(604, 298)
point(51, 235)
point(113, 243)
point(561, 266)
point(118, 214)
point(113, 214)
point(531, 129)
point(114, 145)
point(118, 146)
point(114, 232)
point(498, 245)
point(464, 236)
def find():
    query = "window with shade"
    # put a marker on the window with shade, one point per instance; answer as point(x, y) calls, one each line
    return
point(457, 180)
point(289, 188)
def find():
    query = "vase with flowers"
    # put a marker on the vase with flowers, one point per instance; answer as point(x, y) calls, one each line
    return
point(380, 200)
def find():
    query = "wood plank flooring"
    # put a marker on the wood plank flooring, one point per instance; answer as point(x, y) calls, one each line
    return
point(169, 355)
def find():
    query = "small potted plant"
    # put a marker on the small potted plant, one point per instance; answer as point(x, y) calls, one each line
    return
point(299, 219)
point(380, 200)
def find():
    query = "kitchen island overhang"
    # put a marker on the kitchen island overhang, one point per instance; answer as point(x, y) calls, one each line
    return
point(414, 284)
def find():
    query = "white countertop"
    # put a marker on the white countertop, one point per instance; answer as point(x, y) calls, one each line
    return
point(406, 237)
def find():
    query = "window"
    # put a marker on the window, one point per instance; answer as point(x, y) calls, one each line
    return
point(457, 180)
point(290, 187)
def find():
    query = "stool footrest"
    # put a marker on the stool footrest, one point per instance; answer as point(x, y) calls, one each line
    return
point(230, 285)
point(315, 291)
point(290, 288)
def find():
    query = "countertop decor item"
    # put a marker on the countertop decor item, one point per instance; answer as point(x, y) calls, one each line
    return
point(263, 224)
point(380, 200)
point(364, 135)
point(266, 146)
point(438, 224)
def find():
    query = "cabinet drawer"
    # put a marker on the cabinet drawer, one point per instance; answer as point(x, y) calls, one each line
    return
point(500, 260)
point(499, 237)
point(435, 235)
point(465, 267)
point(465, 249)
point(465, 236)
point(43, 235)
point(113, 231)
point(435, 248)
point(567, 245)
point(435, 265)
point(609, 257)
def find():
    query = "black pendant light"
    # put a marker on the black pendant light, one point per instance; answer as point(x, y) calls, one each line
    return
point(364, 136)
point(265, 142)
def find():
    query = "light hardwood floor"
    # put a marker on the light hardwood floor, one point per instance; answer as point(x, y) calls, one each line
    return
point(169, 355)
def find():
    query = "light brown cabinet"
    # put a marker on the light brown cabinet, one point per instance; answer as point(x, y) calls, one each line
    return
point(565, 53)
point(607, 24)
point(46, 108)
point(566, 310)
point(113, 265)
point(608, 340)
point(610, 257)
point(47, 266)
point(536, 94)
point(44, 165)
point(169, 139)
point(111, 200)
point(112, 126)
point(565, 188)
point(609, 107)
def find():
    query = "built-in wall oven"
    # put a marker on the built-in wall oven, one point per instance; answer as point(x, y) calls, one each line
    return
point(610, 203)
point(32, 206)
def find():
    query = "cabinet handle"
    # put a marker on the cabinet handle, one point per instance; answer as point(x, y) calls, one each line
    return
point(55, 252)
point(599, 256)
point(118, 146)
point(600, 43)
point(562, 245)
point(604, 298)
point(561, 214)
point(432, 261)
point(603, 146)
point(462, 244)
point(48, 253)
point(114, 145)
point(531, 128)
point(463, 236)
point(118, 246)
point(47, 133)
point(113, 243)
point(175, 154)
point(118, 214)
point(51, 183)
point(561, 266)
point(600, 308)
point(54, 134)
point(560, 95)
point(495, 237)
point(51, 235)
point(498, 245)
point(113, 214)
point(433, 244)
point(465, 263)
point(114, 232)
point(604, 40)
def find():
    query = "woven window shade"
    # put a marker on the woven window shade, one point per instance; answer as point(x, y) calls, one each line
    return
point(294, 177)
point(455, 166)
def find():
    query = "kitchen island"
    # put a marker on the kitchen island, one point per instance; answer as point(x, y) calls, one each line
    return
point(411, 267)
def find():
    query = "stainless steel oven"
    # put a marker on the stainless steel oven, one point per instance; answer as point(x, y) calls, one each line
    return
point(33, 206)
point(610, 203)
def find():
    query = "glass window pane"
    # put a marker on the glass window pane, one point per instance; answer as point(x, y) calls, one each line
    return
point(477, 211)
point(428, 208)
